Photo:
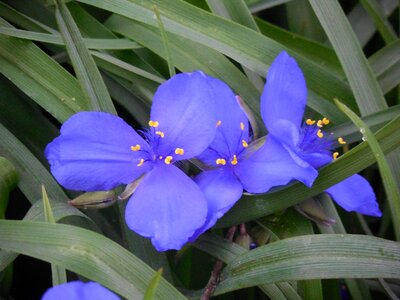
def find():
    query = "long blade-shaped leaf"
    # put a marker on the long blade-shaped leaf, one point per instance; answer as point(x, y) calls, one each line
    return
point(246, 46)
point(367, 92)
point(85, 68)
point(8, 180)
point(84, 252)
point(110, 44)
point(391, 189)
point(58, 274)
point(314, 256)
point(227, 252)
point(378, 16)
point(40, 77)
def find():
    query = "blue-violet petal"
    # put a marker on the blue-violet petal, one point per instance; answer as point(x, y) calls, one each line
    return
point(232, 125)
point(167, 207)
point(78, 290)
point(183, 106)
point(355, 194)
point(271, 166)
point(285, 93)
point(222, 189)
point(94, 152)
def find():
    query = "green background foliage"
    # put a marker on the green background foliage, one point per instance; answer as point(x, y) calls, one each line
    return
point(61, 57)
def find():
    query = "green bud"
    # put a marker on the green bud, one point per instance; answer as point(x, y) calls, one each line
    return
point(94, 200)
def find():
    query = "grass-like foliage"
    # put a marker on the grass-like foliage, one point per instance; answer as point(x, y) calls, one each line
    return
point(234, 149)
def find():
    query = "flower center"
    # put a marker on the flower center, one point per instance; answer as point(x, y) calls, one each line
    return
point(232, 157)
point(313, 138)
point(153, 137)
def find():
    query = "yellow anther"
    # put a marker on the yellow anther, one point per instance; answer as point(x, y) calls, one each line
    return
point(325, 121)
point(234, 160)
point(319, 123)
point(153, 123)
point(160, 133)
point(140, 162)
point(135, 148)
point(179, 151)
point(310, 122)
point(320, 134)
point(218, 124)
point(335, 155)
point(168, 159)
point(341, 141)
point(241, 126)
point(220, 161)
point(244, 144)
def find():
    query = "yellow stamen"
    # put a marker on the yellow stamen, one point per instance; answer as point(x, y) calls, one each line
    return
point(325, 121)
point(153, 123)
point(179, 151)
point(320, 134)
point(310, 122)
point(140, 162)
point(244, 144)
point(160, 133)
point(335, 155)
point(168, 159)
point(341, 141)
point(220, 161)
point(234, 161)
point(135, 148)
point(241, 126)
point(319, 123)
point(218, 124)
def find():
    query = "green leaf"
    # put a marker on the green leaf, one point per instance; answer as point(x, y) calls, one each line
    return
point(40, 77)
point(152, 288)
point(48, 213)
point(164, 38)
point(228, 252)
point(321, 256)
point(258, 5)
point(238, 12)
point(244, 45)
point(291, 224)
point(351, 133)
point(366, 89)
point(8, 181)
point(86, 253)
point(61, 211)
point(108, 44)
point(119, 67)
point(85, 68)
point(362, 24)
point(58, 274)
point(32, 173)
point(378, 16)
point(355, 286)
point(189, 56)
point(355, 160)
point(389, 183)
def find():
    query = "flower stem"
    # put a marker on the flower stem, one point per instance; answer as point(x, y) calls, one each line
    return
point(214, 278)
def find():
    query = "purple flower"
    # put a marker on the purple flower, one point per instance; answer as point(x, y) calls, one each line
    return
point(99, 151)
point(77, 290)
point(222, 184)
point(295, 149)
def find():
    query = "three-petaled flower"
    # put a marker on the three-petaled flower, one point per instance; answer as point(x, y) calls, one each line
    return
point(295, 149)
point(99, 151)
point(78, 290)
point(221, 184)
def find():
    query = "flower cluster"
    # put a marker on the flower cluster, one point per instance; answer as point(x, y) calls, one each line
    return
point(195, 116)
